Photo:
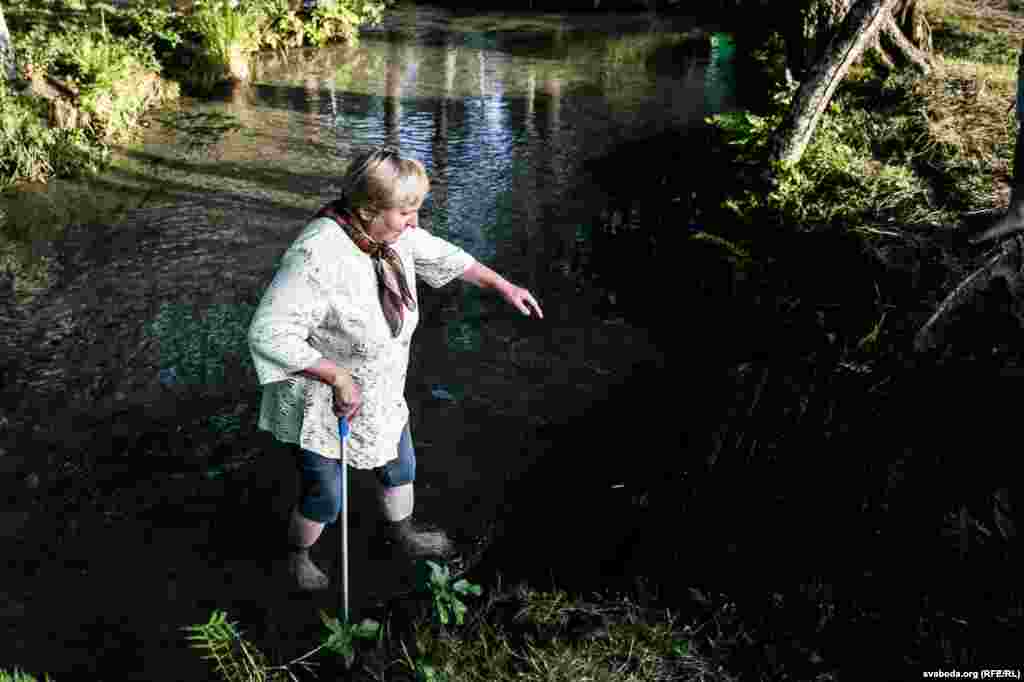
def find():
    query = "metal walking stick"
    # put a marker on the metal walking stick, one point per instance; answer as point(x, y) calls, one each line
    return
point(343, 545)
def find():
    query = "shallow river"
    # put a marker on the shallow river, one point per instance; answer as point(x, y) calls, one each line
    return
point(124, 333)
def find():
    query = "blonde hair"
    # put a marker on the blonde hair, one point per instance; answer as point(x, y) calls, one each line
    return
point(381, 179)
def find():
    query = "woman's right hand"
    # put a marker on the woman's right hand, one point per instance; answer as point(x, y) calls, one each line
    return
point(347, 396)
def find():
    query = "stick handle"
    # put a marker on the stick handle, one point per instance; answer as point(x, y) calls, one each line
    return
point(343, 546)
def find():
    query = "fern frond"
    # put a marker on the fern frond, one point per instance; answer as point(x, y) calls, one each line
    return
point(234, 659)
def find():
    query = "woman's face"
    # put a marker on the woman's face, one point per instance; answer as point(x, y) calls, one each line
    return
point(389, 224)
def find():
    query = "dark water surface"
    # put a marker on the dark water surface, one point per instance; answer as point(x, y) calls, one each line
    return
point(138, 494)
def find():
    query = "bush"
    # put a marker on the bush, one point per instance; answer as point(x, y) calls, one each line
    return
point(30, 150)
point(229, 34)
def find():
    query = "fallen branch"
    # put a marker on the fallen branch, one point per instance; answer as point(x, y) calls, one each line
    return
point(1002, 261)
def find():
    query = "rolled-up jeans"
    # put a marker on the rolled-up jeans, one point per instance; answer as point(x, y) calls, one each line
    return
point(1020, 88)
point(320, 478)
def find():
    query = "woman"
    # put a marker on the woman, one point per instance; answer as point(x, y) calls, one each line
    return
point(331, 338)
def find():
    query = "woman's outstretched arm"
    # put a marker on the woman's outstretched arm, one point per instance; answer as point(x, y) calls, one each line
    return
point(485, 278)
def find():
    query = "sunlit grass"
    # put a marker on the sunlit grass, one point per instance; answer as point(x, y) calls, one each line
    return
point(553, 637)
point(230, 35)
point(18, 675)
point(890, 137)
point(976, 30)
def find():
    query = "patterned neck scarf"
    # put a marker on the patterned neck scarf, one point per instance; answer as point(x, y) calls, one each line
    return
point(392, 286)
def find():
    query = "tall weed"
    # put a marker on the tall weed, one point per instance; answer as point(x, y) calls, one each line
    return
point(30, 150)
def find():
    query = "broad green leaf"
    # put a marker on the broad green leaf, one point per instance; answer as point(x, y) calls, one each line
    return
point(367, 629)
point(442, 611)
point(460, 611)
point(463, 586)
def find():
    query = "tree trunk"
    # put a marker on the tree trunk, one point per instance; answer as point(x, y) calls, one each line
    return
point(8, 71)
point(817, 23)
point(857, 32)
point(895, 40)
point(811, 25)
point(910, 19)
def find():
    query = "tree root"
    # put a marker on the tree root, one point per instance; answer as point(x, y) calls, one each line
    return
point(1006, 260)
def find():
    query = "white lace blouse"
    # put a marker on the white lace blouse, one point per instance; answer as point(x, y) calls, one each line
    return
point(323, 302)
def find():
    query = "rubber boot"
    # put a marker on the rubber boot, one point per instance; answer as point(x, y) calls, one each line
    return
point(304, 572)
point(302, 534)
point(416, 542)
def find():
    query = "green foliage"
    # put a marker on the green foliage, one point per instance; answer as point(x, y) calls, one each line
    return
point(228, 33)
point(342, 637)
point(282, 26)
point(747, 131)
point(79, 45)
point(840, 180)
point(424, 669)
point(540, 642)
point(231, 33)
point(233, 658)
point(31, 150)
point(18, 675)
point(333, 20)
point(957, 38)
point(447, 594)
point(74, 43)
point(152, 24)
point(236, 660)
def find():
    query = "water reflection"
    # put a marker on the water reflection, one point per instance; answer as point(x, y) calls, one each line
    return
point(503, 109)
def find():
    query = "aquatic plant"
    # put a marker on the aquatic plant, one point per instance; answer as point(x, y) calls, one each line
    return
point(230, 34)
point(446, 593)
point(235, 659)
point(18, 675)
point(343, 636)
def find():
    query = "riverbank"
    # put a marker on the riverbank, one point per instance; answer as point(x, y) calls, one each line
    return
point(88, 71)
point(854, 462)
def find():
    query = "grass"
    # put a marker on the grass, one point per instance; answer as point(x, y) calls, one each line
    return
point(983, 31)
point(229, 35)
point(101, 52)
point(30, 150)
point(896, 148)
point(18, 675)
point(549, 636)
point(521, 636)
point(95, 66)
point(900, 160)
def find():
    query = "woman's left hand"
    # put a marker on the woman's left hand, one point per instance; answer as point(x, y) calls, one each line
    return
point(522, 299)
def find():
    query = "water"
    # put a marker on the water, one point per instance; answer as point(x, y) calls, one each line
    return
point(124, 332)
point(173, 246)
